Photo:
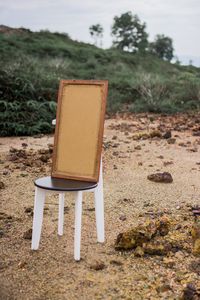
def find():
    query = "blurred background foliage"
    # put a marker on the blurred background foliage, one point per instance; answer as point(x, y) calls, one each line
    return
point(33, 63)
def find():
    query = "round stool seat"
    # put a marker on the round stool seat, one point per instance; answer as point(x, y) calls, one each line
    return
point(59, 184)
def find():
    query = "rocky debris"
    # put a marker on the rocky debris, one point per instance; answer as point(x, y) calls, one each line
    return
point(138, 147)
point(164, 177)
point(50, 147)
point(28, 234)
point(24, 145)
point(122, 218)
point(167, 135)
point(139, 252)
point(171, 141)
point(168, 262)
point(197, 133)
point(182, 144)
point(4, 216)
point(163, 288)
point(147, 135)
point(195, 232)
point(167, 163)
point(190, 293)
point(116, 262)
point(195, 266)
point(157, 248)
point(142, 234)
point(2, 185)
point(22, 264)
point(28, 209)
point(1, 233)
point(114, 137)
point(22, 159)
point(6, 172)
point(162, 226)
point(195, 149)
point(97, 266)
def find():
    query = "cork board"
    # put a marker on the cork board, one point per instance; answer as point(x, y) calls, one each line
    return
point(79, 129)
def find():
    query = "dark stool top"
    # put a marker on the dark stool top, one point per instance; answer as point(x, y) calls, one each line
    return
point(59, 184)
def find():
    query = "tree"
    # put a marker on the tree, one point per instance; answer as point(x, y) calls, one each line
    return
point(162, 47)
point(129, 33)
point(96, 32)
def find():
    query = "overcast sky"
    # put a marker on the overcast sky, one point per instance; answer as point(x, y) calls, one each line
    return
point(179, 19)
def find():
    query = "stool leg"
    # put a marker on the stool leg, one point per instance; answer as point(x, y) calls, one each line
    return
point(37, 217)
point(99, 212)
point(61, 213)
point(77, 235)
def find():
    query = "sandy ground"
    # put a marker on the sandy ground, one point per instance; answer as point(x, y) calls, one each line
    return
point(51, 272)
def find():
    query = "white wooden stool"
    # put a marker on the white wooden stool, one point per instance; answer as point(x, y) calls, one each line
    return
point(61, 186)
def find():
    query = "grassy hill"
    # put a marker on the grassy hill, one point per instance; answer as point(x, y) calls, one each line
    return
point(32, 64)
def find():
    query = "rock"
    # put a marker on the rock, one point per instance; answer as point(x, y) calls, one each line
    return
point(24, 145)
point(6, 172)
point(197, 133)
point(163, 226)
point(139, 252)
point(167, 135)
point(155, 133)
point(138, 147)
point(163, 288)
point(189, 293)
point(97, 266)
point(2, 185)
point(50, 147)
point(156, 248)
point(167, 163)
point(196, 247)
point(135, 237)
point(195, 266)
point(116, 262)
point(164, 177)
point(195, 231)
point(28, 234)
point(1, 233)
point(115, 153)
point(44, 158)
point(90, 209)
point(171, 141)
point(28, 210)
point(168, 262)
point(22, 264)
point(122, 218)
point(115, 145)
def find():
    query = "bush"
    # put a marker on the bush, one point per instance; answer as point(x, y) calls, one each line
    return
point(32, 64)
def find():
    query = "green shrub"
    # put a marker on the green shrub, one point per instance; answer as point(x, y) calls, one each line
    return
point(32, 64)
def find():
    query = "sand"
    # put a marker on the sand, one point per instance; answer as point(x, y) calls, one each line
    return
point(130, 198)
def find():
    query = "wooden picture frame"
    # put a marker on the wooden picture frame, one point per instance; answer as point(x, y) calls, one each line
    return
point(79, 129)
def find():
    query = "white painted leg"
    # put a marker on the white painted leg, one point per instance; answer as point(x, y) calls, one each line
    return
point(37, 217)
point(61, 213)
point(78, 215)
point(99, 211)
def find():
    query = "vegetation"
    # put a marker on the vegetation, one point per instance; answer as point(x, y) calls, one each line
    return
point(162, 47)
point(32, 64)
point(130, 34)
point(96, 32)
